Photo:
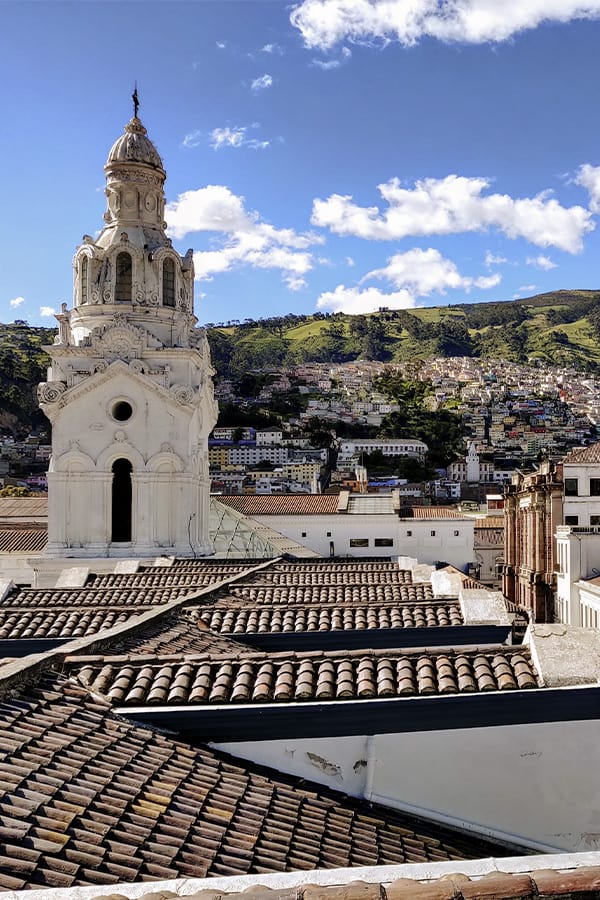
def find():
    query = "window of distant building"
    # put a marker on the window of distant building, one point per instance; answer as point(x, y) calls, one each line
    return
point(594, 520)
point(594, 487)
point(571, 487)
point(571, 520)
point(432, 533)
point(384, 542)
point(359, 542)
point(456, 533)
point(409, 534)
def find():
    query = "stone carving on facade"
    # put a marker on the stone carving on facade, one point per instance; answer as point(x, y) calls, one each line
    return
point(183, 393)
point(50, 391)
point(120, 340)
point(140, 177)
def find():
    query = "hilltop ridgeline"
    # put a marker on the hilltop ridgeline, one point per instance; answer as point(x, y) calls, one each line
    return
point(559, 328)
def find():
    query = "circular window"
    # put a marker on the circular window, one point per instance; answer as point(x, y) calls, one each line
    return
point(122, 411)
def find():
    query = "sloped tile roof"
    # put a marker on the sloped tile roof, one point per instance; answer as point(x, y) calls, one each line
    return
point(20, 507)
point(574, 884)
point(589, 454)
point(87, 798)
point(176, 634)
point(295, 619)
point(282, 504)
point(338, 593)
point(19, 539)
point(58, 623)
point(317, 676)
point(432, 512)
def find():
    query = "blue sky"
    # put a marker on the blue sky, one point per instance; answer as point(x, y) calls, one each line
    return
point(325, 154)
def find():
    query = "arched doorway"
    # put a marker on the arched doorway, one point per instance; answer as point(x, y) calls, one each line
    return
point(121, 501)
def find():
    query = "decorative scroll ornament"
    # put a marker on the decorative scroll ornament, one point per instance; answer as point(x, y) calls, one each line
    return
point(50, 391)
point(183, 394)
point(136, 365)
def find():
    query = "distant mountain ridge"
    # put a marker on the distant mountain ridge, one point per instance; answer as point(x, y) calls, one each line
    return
point(558, 328)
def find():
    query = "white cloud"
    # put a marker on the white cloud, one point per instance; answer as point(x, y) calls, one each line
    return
point(355, 300)
point(452, 205)
point(541, 262)
point(244, 238)
point(589, 178)
point(260, 84)
point(47, 311)
point(525, 289)
point(492, 259)
point(221, 44)
point(423, 271)
point(272, 48)
point(192, 139)
point(324, 23)
point(416, 273)
point(236, 137)
point(327, 64)
point(17, 302)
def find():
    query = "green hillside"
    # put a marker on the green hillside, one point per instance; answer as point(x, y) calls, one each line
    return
point(560, 328)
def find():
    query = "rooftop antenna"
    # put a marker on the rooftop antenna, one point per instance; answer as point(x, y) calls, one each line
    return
point(136, 101)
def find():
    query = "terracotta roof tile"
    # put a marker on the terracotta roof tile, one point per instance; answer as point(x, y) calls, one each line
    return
point(575, 884)
point(313, 676)
point(21, 507)
point(58, 623)
point(139, 805)
point(589, 454)
point(22, 539)
point(226, 619)
point(367, 592)
point(282, 504)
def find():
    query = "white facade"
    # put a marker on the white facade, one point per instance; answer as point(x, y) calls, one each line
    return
point(392, 447)
point(129, 390)
point(268, 437)
point(380, 534)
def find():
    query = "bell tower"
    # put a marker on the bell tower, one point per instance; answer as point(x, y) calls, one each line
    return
point(129, 390)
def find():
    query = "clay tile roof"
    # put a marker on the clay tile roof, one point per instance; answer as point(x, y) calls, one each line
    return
point(316, 676)
point(576, 884)
point(241, 620)
point(23, 539)
point(15, 507)
point(19, 624)
point(179, 633)
point(88, 798)
point(282, 504)
point(432, 512)
point(360, 594)
point(590, 454)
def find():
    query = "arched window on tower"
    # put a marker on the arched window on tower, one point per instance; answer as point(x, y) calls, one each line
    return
point(168, 282)
point(121, 501)
point(123, 282)
point(84, 279)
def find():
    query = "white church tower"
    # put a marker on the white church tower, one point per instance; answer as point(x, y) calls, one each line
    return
point(129, 391)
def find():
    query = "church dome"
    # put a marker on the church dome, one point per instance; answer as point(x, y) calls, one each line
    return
point(135, 146)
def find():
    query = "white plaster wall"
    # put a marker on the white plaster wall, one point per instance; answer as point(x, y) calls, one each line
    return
point(536, 784)
point(311, 531)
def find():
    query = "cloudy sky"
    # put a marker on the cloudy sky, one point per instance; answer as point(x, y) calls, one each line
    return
point(321, 155)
